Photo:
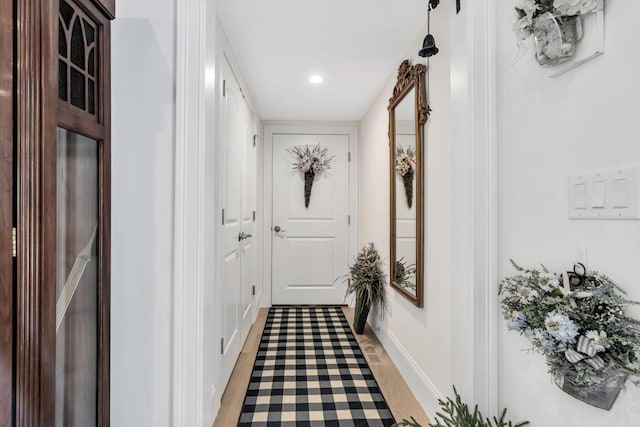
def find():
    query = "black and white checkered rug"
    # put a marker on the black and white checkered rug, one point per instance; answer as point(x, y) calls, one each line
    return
point(310, 372)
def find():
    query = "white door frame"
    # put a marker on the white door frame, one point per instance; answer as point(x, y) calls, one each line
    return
point(200, 42)
point(474, 146)
point(188, 400)
point(316, 129)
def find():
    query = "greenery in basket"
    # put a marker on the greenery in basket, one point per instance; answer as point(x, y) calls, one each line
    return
point(456, 413)
point(576, 320)
point(367, 281)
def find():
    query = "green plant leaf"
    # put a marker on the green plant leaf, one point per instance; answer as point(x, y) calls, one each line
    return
point(457, 414)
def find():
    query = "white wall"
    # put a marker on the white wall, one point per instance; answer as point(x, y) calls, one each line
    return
point(417, 339)
point(549, 129)
point(143, 43)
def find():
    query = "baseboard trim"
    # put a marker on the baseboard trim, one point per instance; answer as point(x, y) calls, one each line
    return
point(216, 396)
point(426, 393)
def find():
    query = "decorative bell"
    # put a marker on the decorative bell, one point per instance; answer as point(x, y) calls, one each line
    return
point(428, 47)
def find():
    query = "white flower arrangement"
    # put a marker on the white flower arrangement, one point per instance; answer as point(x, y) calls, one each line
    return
point(311, 162)
point(406, 167)
point(405, 160)
point(578, 323)
point(314, 160)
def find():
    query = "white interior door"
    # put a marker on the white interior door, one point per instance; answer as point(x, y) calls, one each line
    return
point(236, 222)
point(249, 248)
point(310, 245)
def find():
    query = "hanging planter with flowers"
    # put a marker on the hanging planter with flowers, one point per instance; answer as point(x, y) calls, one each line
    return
point(555, 25)
point(406, 168)
point(311, 162)
point(578, 322)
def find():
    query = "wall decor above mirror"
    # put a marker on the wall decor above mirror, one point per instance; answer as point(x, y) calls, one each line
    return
point(408, 113)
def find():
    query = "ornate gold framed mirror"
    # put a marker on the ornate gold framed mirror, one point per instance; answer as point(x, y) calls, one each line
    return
point(407, 116)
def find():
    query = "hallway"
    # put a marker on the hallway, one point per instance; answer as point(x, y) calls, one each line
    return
point(174, 172)
point(501, 142)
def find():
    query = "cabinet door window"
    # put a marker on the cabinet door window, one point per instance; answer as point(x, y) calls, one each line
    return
point(77, 280)
point(77, 44)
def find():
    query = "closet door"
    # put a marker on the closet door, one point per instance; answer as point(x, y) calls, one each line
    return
point(231, 246)
point(249, 250)
point(239, 248)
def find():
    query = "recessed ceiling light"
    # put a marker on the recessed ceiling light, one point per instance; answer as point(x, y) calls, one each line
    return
point(316, 78)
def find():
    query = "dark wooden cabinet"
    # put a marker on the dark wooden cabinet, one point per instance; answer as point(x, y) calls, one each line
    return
point(55, 364)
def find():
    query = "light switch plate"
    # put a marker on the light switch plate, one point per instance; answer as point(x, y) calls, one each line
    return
point(605, 194)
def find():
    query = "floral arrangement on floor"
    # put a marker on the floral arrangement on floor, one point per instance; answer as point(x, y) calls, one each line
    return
point(367, 281)
point(542, 18)
point(578, 322)
point(406, 167)
point(311, 162)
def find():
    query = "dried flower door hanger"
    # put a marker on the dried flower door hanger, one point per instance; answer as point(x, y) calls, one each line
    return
point(311, 162)
point(406, 168)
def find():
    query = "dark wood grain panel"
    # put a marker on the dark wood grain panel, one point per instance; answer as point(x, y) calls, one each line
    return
point(36, 91)
point(6, 213)
point(108, 7)
point(104, 291)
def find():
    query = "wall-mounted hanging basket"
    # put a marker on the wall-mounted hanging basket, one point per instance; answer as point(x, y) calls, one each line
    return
point(566, 33)
point(578, 321)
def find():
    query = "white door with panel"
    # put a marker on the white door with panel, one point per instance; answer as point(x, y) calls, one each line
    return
point(310, 246)
point(238, 246)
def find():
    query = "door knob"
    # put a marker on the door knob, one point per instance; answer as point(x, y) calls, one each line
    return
point(277, 229)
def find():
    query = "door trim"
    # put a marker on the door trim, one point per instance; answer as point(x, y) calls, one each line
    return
point(303, 129)
point(6, 214)
point(189, 186)
point(36, 114)
point(474, 144)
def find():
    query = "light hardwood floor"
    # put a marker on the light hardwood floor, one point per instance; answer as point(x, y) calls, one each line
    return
point(402, 402)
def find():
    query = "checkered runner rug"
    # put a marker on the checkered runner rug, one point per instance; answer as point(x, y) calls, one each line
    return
point(310, 372)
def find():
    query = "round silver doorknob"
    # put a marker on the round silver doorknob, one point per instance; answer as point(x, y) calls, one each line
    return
point(277, 229)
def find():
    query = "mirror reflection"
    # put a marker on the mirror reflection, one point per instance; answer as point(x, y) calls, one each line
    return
point(407, 116)
point(405, 188)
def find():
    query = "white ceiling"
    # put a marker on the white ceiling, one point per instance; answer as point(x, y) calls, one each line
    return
point(356, 45)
